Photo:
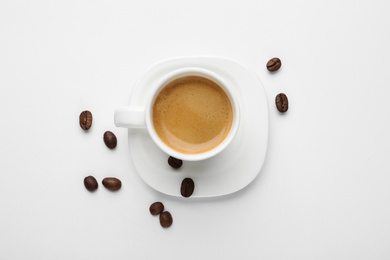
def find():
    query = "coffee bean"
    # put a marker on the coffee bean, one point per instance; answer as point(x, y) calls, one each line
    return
point(156, 208)
point(174, 162)
point(112, 184)
point(90, 183)
point(166, 219)
point(274, 64)
point(85, 120)
point(187, 187)
point(281, 102)
point(110, 139)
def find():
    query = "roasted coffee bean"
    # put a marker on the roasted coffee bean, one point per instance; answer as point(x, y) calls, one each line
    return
point(156, 208)
point(166, 219)
point(112, 183)
point(85, 120)
point(281, 102)
point(110, 139)
point(274, 64)
point(90, 183)
point(174, 162)
point(187, 187)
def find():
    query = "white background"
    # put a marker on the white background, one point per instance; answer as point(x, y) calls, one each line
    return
point(324, 190)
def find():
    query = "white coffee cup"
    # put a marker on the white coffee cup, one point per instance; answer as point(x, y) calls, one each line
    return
point(142, 117)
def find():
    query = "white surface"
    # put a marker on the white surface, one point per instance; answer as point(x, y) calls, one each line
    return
point(323, 192)
point(232, 169)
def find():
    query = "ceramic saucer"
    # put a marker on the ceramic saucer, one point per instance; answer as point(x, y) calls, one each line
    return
point(232, 169)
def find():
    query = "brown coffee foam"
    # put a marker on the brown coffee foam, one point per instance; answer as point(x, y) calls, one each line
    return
point(192, 114)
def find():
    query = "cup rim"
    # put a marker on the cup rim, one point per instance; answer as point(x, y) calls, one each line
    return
point(192, 71)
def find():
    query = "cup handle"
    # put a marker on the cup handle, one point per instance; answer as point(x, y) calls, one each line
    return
point(130, 117)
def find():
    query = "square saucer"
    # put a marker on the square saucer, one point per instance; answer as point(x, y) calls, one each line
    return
point(232, 169)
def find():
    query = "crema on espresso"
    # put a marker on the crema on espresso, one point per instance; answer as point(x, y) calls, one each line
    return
point(192, 114)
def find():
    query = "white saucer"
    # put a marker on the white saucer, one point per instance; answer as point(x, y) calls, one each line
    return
point(232, 169)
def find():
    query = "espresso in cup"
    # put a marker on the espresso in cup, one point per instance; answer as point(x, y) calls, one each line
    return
point(192, 114)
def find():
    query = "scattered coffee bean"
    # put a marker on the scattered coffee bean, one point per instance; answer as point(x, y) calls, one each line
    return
point(274, 64)
point(187, 187)
point(281, 102)
point(112, 183)
point(85, 120)
point(90, 183)
point(166, 219)
point(110, 139)
point(156, 208)
point(174, 162)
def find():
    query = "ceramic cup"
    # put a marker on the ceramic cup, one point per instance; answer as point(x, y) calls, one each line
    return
point(142, 117)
